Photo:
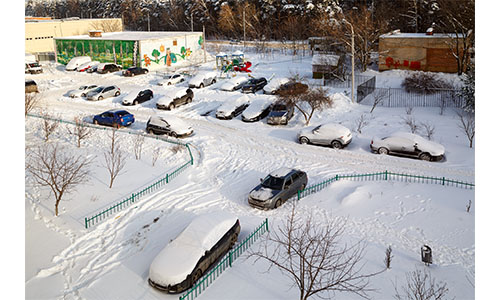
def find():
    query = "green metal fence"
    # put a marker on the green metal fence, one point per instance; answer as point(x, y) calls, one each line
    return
point(386, 175)
point(96, 218)
point(225, 262)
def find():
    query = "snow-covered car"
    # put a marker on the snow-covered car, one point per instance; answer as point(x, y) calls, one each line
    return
point(85, 66)
point(132, 71)
point(234, 83)
point(32, 67)
point(82, 91)
point(253, 85)
point(203, 79)
point(135, 97)
point(328, 134)
point(174, 98)
point(104, 68)
point(258, 109)
point(186, 258)
point(172, 79)
point(77, 61)
point(169, 125)
point(408, 144)
point(274, 85)
point(231, 108)
point(102, 92)
point(277, 187)
point(280, 114)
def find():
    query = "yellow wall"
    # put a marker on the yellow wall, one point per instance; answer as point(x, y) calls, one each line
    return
point(39, 35)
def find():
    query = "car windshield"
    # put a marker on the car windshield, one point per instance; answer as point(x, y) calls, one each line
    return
point(99, 89)
point(274, 183)
point(279, 107)
point(315, 130)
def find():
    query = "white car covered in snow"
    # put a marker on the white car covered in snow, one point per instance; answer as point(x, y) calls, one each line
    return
point(231, 108)
point(169, 125)
point(234, 83)
point(77, 61)
point(274, 85)
point(82, 91)
point(408, 144)
point(328, 134)
point(258, 109)
point(184, 260)
point(203, 79)
point(172, 79)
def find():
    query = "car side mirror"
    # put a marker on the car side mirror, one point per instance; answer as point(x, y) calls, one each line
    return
point(261, 180)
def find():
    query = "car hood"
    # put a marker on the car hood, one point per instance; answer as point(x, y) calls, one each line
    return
point(263, 193)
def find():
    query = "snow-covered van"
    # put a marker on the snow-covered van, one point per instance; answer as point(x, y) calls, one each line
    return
point(31, 65)
point(184, 260)
point(77, 61)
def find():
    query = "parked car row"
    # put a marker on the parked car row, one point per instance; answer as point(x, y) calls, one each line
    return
point(86, 64)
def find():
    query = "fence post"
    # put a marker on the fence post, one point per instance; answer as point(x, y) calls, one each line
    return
point(298, 195)
point(230, 258)
point(267, 226)
point(86, 226)
point(444, 180)
point(385, 174)
point(166, 178)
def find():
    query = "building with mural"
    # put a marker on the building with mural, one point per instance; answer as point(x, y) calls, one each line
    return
point(418, 51)
point(152, 50)
point(40, 32)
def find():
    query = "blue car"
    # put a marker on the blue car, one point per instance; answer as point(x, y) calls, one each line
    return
point(115, 118)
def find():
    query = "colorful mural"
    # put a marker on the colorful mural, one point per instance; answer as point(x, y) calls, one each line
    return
point(119, 52)
point(168, 52)
point(162, 56)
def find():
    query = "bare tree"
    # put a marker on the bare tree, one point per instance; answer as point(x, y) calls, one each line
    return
point(107, 25)
point(30, 102)
point(378, 97)
point(467, 124)
point(49, 125)
point(411, 123)
point(155, 155)
point(429, 130)
point(60, 170)
point(115, 158)
point(79, 130)
point(421, 286)
point(361, 122)
point(138, 143)
point(316, 99)
point(314, 258)
point(388, 257)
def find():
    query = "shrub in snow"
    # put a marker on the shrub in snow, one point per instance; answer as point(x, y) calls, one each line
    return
point(424, 83)
point(421, 286)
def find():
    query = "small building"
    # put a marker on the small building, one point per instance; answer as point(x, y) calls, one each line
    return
point(324, 44)
point(418, 51)
point(40, 32)
point(152, 50)
point(326, 65)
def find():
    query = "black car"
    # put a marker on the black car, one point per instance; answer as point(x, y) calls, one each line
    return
point(143, 96)
point(135, 71)
point(92, 69)
point(108, 68)
point(254, 85)
point(183, 96)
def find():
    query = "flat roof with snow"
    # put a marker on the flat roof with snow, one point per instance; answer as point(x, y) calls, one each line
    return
point(419, 35)
point(133, 35)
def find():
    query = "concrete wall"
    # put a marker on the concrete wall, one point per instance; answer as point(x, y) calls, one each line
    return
point(425, 53)
point(39, 35)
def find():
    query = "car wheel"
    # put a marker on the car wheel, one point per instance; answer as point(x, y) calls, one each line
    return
point(425, 156)
point(83, 95)
point(213, 81)
point(201, 85)
point(117, 93)
point(383, 150)
point(278, 203)
point(116, 125)
point(171, 106)
point(336, 145)
point(135, 102)
point(189, 100)
point(302, 187)
point(150, 131)
point(146, 72)
point(95, 122)
point(173, 134)
point(303, 140)
point(234, 239)
point(169, 83)
point(196, 276)
point(132, 75)
point(100, 98)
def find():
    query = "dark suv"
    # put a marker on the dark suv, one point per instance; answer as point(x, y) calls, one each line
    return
point(277, 188)
point(280, 114)
point(135, 71)
point(107, 68)
point(254, 85)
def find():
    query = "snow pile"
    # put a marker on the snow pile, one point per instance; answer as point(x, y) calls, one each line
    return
point(178, 259)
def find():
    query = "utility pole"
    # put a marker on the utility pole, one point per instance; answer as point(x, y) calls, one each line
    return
point(352, 59)
point(192, 22)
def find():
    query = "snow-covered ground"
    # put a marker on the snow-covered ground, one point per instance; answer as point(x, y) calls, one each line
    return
point(111, 260)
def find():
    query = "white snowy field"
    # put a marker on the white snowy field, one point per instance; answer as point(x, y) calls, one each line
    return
point(111, 260)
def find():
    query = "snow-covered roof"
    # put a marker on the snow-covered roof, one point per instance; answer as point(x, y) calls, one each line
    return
point(133, 35)
point(221, 54)
point(418, 35)
point(238, 52)
point(178, 259)
point(325, 59)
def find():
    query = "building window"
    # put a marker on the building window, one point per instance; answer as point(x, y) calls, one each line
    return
point(175, 42)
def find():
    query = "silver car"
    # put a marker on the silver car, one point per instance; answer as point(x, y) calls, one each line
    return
point(277, 188)
point(408, 144)
point(328, 134)
point(103, 92)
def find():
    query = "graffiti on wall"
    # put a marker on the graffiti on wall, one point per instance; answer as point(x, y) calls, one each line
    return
point(396, 64)
point(120, 52)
